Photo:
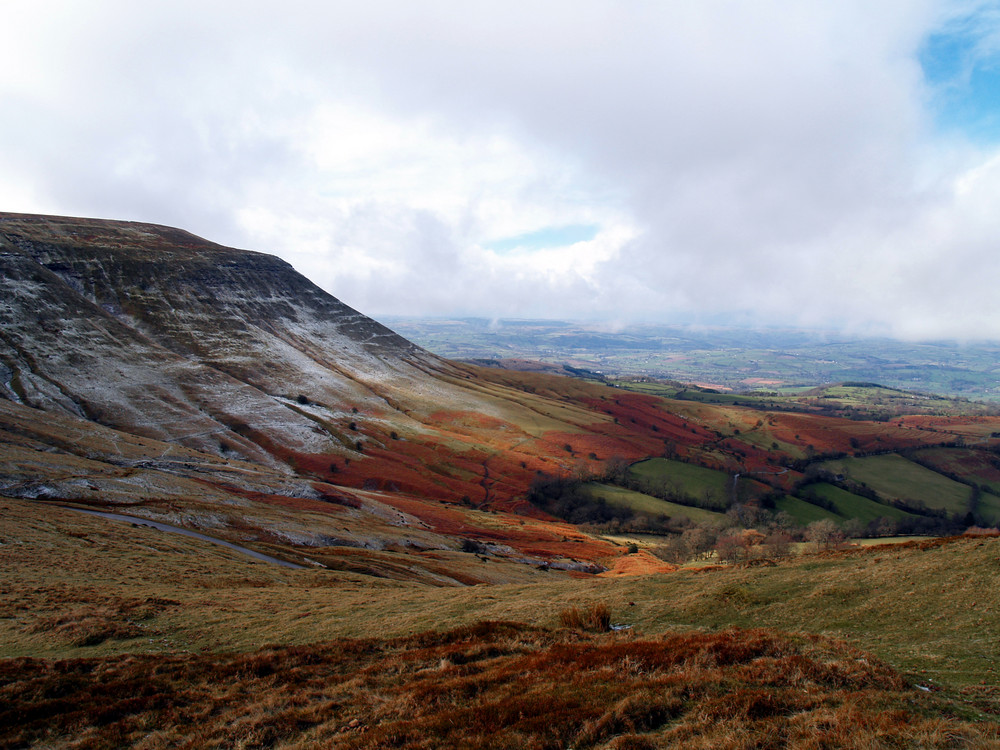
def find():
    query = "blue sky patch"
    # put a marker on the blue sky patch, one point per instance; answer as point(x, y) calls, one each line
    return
point(962, 67)
point(548, 237)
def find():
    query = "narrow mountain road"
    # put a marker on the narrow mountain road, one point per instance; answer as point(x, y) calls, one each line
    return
point(186, 532)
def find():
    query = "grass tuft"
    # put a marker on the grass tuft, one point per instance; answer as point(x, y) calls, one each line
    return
point(595, 618)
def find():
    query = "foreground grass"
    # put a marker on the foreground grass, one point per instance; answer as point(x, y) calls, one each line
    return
point(491, 685)
point(78, 587)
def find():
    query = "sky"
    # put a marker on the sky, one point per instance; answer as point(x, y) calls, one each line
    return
point(775, 162)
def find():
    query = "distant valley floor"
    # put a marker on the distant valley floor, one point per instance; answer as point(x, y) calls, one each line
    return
point(730, 359)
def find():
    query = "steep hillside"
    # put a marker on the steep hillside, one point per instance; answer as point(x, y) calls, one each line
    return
point(156, 331)
point(124, 345)
point(283, 470)
point(142, 366)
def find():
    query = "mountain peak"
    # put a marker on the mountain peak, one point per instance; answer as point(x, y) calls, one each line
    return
point(153, 329)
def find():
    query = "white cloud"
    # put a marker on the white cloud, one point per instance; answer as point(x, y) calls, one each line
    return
point(775, 159)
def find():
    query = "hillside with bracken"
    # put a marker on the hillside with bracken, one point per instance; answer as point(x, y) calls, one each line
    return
point(224, 406)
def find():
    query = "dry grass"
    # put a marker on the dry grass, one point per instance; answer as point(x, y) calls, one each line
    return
point(930, 611)
point(595, 618)
point(92, 624)
point(192, 619)
point(489, 685)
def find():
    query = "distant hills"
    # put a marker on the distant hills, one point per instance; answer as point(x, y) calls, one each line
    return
point(733, 359)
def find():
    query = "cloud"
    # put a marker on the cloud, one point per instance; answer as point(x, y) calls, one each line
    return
point(774, 161)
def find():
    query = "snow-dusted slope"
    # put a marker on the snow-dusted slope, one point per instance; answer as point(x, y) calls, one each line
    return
point(161, 333)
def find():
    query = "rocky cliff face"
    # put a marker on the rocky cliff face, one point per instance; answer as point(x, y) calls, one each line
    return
point(161, 333)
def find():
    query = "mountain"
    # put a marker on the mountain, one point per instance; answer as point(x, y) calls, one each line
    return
point(160, 342)
point(429, 594)
point(130, 349)
point(156, 331)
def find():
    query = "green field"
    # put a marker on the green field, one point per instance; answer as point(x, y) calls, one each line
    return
point(693, 480)
point(653, 505)
point(989, 508)
point(701, 395)
point(850, 505)
point(803, 512)
point(896, 478)
point(979, 466)
point(711, 485)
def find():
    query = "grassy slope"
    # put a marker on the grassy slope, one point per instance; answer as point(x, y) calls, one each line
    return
point(893, 476)
point(83, 587)
point(803, 512)
point(933, 609)
point(493, 685)
point(695, 480)
point(974, 465)
point(850, 505)
point(653, 505)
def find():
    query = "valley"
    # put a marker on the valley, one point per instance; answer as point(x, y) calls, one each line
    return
point(440, 521)
point(725, 358)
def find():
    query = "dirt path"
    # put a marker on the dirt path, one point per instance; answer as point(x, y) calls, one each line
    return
point(186, 532)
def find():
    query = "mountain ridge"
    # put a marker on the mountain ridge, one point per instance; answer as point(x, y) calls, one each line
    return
point(166, 337)
point(161, 336)
point(210, 317)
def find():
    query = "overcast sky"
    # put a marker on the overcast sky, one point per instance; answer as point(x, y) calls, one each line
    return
point(827, 163)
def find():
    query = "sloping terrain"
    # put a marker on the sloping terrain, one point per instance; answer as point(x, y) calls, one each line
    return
point(155, 331)
point(495, 685)
point(150, 373)
point(145, 367)
point(176, 343)
point(174, 643)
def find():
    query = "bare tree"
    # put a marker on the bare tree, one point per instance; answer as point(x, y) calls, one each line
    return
point(824, 534)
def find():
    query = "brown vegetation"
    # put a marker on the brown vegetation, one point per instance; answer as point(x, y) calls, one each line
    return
point(595, 618)
point(490, 685)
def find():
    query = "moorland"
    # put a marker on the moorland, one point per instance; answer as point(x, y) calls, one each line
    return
point(473, 556)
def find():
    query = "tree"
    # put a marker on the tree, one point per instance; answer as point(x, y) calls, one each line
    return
point(615, 470)
point(824, 534)
point(886, 527)
point(748, 516)
point(729, 546)
point(784, 520)
point(854, 528)
point(751, 539)
point(673, 550)
point(777, 544)
point(697, 541)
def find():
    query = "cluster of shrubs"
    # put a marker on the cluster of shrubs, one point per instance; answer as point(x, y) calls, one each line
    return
point(595, 618)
